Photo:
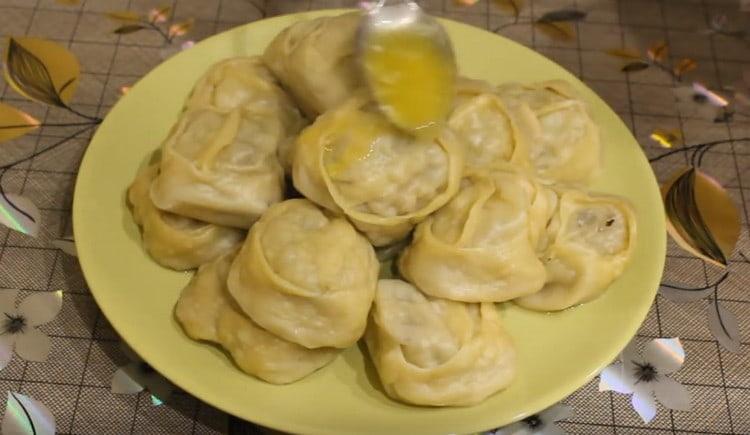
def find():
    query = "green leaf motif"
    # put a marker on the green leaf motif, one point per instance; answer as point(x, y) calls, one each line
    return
point(635, 66)
point(562, 15)
point(128, 29)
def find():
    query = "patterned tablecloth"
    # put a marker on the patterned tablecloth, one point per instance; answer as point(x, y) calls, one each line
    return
point(74, 383)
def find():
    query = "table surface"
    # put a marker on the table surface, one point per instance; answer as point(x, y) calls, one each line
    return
point(74, 383)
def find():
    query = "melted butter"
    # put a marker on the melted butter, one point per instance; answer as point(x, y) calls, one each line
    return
point(361, 131)
point(412, 78)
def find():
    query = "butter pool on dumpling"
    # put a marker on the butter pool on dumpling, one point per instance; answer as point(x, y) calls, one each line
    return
point(306, 276)
point(565, 146)
point(351, 160)
point(206, 312)
point(490, 134)
point(175, 241)
point(315, 60)
point(221, 167)
point(437, 352)
point(481, 247)
point(592, 239)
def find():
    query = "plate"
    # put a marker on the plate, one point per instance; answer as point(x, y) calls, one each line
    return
point(558, 353)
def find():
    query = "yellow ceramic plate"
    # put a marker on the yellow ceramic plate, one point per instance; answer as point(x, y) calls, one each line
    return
point(558, 352)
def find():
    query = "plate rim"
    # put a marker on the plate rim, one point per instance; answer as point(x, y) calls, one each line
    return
point(300, 427)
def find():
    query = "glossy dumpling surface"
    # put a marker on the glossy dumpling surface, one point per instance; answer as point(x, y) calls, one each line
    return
point(481, 247)
point(592, 239)
point(352, 161)
point(315, 61)
point(437, 352)
point(206, 312)
point(306, 276)
point(175, 241)
point(564, 144)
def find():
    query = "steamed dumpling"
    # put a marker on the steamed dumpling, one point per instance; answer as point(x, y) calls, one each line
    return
point(490, 134)
point(437, 352)
point(221, 167)
point(219, 162)
point(306, 276)
point(245, 82)
point(592, 239)
point(564, 144)
point(315, 61)
point(206, 312)
point(175, 241)
point(481, 247)
point(351, 160)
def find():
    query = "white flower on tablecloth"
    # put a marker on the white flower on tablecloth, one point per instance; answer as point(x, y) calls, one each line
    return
point(138, 376)
point(538, 424)
point(647, 376)
point(18, 324)
point(696, 100)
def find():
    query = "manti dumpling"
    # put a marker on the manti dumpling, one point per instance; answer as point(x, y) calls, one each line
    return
point(351, 160)
point(437, 352)
point(306, 276)
point(174, 241)
point(592, 238)
point(565, 145)
point(207, 312)
point(315, 61)
point(221, 167)
point(245, 82)
point(490, 134)
point(481, 247)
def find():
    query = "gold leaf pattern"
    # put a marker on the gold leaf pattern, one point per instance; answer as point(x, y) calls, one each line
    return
point(559, 30)
point(684, 65)
point(41, 70)
point(658, 51)
point(666, 138)
point(512, 6)
point(181, 28)
point(624, 53)
point(15, 123)
point(126, 16)
point(701, 216)
point(638, 65)
point(68, 2)
point(159, 15)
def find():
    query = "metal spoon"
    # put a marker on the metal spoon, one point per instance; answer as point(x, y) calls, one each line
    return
point(405, 17)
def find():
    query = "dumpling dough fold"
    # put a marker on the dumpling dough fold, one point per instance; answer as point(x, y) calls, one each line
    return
point(221, 167)
point(492, 136)
point(219, 162)
point(565, 145)
point(306, 276)
point(351, 160)
point(437, 352)
point(592, 238)
point(206, 312)
point(175, 241)
point(481, 247)
point(315, 60)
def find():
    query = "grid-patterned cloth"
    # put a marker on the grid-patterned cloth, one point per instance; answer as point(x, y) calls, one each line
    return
point(74, 382)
